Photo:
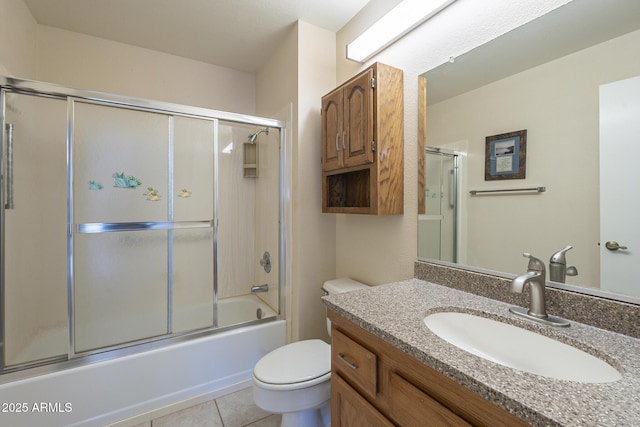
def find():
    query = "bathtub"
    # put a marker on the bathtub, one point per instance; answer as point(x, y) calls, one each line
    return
point(246, 308)
point(144, 385)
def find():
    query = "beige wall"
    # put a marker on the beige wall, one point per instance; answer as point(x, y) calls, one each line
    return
point(558, 104)
point(382, 249)
point(300, 72)
point(17, 40)
point(87, 62)
point(32, 51)
point(315, 247)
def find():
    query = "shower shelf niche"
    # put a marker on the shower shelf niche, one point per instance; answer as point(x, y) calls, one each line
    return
point(250, 160)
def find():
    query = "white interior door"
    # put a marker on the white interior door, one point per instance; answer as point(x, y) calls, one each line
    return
point(620, 186)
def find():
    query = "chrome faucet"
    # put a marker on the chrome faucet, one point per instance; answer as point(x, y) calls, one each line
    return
point(259, 288)
point(558, 270)
point(536, 278)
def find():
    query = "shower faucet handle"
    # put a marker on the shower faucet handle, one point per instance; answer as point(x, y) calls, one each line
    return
point(265, 262)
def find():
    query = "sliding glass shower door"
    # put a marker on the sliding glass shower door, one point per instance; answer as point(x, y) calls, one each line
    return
point(34, 229)
point(110, 218)
point(143, 200)
point(192, 250)
point(119, 277)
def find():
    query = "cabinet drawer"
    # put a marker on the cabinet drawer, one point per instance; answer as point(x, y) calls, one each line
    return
point(354, 362)
point(410, 406)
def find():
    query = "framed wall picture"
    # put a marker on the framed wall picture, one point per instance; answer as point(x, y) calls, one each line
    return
point(506, 156)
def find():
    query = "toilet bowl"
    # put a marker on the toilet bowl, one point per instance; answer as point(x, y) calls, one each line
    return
point(295, 380)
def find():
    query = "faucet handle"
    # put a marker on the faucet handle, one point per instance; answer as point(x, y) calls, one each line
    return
point(559, 257)
point(535, 264)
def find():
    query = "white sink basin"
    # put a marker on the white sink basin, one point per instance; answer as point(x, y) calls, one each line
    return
point(519, 348)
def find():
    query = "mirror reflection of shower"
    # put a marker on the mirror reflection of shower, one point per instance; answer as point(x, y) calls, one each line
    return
point(438, 227)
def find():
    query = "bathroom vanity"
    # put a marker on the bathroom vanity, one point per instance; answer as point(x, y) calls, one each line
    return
point(389, 369)
point(373, 383)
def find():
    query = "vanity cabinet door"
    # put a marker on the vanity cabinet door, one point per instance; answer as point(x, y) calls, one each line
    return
point(410, 406)
point(349, 409)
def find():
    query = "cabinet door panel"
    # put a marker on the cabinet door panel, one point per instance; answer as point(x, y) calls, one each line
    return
point(332, 131)
point(410, 406)
point(349, 409)
point(358, 120)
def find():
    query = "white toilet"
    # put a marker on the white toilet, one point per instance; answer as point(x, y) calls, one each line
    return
point(294, 380)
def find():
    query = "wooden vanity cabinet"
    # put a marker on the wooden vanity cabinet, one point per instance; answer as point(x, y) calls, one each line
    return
point(375, 384)
point(349, 409)
point(362, 144)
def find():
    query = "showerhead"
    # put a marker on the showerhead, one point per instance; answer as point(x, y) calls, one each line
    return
point(254, 136)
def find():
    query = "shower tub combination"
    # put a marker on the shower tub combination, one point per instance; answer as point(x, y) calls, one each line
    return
point(130, 237)
point(160, 380)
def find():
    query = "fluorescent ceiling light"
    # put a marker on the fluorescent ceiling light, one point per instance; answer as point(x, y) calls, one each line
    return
point(403, 18)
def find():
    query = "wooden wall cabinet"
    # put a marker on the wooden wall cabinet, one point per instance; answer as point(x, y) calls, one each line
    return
point(375, 384)
point(362, 146)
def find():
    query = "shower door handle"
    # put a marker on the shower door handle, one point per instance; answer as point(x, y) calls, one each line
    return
point(452, 189)
point(9, 170)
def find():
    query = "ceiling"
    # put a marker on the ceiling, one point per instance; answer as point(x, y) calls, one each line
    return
point(567, 29)
point(239, 34)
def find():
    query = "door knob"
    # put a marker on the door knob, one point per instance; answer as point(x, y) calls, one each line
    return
point(614, 246)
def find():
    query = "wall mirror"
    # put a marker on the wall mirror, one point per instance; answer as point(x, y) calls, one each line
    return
point(571, 79)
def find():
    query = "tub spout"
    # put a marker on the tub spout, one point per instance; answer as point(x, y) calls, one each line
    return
point(259, 288)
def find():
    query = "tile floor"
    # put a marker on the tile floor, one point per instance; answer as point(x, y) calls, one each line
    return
point(233, 410)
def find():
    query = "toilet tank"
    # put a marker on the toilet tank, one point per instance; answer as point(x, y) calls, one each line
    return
point(338, 286)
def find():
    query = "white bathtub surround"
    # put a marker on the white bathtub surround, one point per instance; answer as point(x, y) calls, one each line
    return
point(113, 390)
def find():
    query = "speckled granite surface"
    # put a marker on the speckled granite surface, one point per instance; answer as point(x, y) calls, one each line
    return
point(395, 313)
point(602, 313)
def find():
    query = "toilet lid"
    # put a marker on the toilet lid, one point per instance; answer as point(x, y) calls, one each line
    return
point(294, 363)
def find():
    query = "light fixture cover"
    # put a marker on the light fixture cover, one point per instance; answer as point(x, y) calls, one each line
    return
point(403, 18)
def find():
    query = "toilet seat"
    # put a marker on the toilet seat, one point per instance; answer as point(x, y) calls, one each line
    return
point(294, 366)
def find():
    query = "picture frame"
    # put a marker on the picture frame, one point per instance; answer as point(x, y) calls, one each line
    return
point(506, 156)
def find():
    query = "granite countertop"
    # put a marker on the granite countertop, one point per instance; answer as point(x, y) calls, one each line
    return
point(395, 313)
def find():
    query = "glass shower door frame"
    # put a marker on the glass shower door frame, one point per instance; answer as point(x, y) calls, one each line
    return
point(115, 227)
point(6, 194)
point(48, 90)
